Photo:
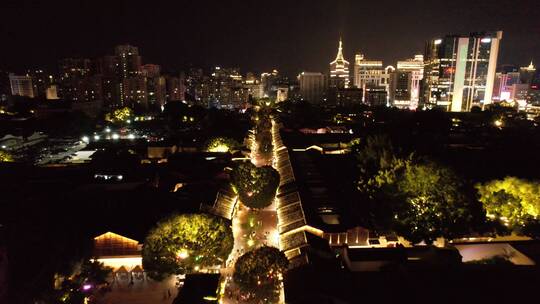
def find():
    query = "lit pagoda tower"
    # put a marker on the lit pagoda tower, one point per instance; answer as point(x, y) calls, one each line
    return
point(339, 70)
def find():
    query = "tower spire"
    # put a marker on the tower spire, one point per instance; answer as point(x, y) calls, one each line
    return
point(340, 51)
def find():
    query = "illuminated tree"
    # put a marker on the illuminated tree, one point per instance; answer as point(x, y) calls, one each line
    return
point(434, 203)
point(119, 115)
point(184, 243)
point(260, 272)
point(221, 144)
point(5, 157)
point(256, 186)
point(419, 200)
point(513, 201)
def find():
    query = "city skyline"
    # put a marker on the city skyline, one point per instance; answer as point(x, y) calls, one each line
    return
point(300, 37)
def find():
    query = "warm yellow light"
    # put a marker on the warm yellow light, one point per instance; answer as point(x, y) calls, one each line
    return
point(219, 148)
point(182, 254)
point(210, 298)
point(250, 242)
point(498, 123)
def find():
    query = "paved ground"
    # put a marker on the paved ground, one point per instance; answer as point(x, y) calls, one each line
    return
point(251, 229)
point(141, 292)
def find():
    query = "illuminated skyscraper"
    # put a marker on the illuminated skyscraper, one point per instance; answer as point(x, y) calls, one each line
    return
point(339, 70)
point(405, 83)
point(526, 74)
point(372, 79)
point(367, 72)
point(460, 71)
point(129, 60)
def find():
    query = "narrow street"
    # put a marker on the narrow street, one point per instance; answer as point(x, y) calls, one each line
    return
point(251, 229)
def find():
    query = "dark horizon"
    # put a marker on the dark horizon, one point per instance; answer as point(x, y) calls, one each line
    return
point(255, 36)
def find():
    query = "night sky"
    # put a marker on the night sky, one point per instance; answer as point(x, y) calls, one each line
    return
point(255, 35)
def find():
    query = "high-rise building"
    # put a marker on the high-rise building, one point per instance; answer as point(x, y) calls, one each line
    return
point(405, 83)
point(175, 88)
point(129, 71)
point(312, 86)
point(108, 68)
point(526, 74)
point(339, 70)
point(503, 85)
point(254, 87)
point(73, 83)
point(367, 72)
point(373, 80)
point(129, 60)
point(460, 70)
point(269, 82)
point(156, 84)
point(533, 96)
point(134, 90)
point(41, 81)
point(21, 85)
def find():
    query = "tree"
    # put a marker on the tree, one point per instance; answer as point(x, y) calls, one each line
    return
point(183, 243)
point(260, 271)
point(256, 186)
point(85, 282)
point(376, 153)
point(513, 201)
point(435, 204)
point(5, 157)
point(220, 144)
point(420, 200)
point(119, 115)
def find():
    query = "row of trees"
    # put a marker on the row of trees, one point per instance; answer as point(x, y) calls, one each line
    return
point(422, 199)
point(182, 244)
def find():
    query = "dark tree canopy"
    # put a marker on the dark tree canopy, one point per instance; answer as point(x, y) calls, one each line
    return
point(70, 290)
point(180, 243)
point(260, 268)
point(256, 186)
point(421, 200)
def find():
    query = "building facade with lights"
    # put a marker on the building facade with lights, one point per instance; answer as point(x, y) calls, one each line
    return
point(373, 79)
point(460, 71)
point(339, 70)
point(405, 83)
point(21, 85)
